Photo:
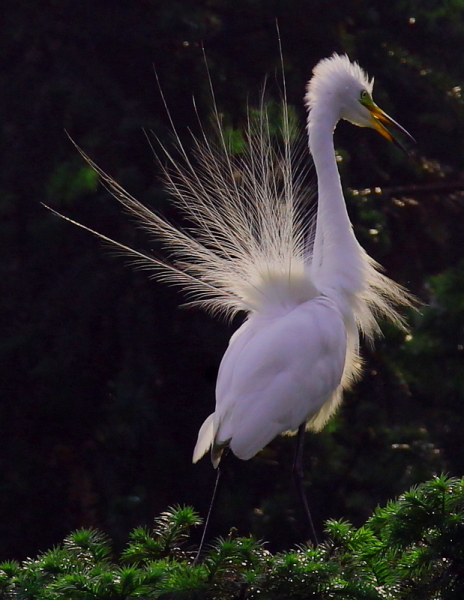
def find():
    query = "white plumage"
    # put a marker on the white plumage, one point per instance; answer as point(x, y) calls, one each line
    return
point(265, 384)
point(290, 361)
point(306, 285)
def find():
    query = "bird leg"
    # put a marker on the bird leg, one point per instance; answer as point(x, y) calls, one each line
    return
point(208, 516)
point(298, 476)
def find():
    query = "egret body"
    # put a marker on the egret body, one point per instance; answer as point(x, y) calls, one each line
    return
point(290, 361)
point(307, 287)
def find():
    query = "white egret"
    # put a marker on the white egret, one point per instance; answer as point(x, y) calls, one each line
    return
point(288, 364)
point(306, 285)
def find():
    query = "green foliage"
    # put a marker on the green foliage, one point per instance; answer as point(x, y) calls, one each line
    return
point(278, 126)
point(171, 529)
point(71, 180)
point(412, 549)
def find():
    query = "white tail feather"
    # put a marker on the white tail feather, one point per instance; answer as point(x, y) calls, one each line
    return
point(205, 438)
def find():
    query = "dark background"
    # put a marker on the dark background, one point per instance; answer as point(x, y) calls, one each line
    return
point(104, 380)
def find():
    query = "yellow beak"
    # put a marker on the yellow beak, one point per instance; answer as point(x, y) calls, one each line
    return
point(378, 117)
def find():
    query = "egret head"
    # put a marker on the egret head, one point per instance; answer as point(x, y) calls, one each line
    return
point(343, 88)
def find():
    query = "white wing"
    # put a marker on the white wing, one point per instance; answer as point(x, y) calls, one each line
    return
point(277, 372)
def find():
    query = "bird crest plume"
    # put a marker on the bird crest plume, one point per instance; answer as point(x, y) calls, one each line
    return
point(337, 71)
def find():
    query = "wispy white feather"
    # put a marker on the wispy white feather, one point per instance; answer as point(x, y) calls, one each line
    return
point(250, 245)
point(250, 213)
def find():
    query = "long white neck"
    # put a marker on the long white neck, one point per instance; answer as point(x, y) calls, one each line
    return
point(338, 261)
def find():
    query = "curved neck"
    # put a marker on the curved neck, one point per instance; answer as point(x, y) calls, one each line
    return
point(332, 216)
point(337, 256)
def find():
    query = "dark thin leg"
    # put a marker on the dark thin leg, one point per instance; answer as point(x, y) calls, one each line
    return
point(298, 478)
point(208, 516)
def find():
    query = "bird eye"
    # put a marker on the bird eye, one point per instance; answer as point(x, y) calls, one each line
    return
point(365, 98)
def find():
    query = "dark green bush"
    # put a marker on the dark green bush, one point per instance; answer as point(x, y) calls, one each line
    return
point(412, 549)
